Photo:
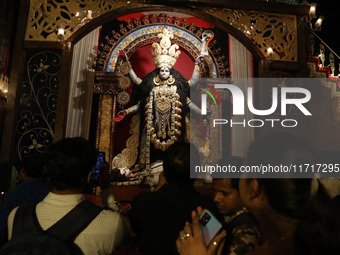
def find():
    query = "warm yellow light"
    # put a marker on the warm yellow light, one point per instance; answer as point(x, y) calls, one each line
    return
point(3, 83)
point(318, 23)
point(312, 10)
point(61, 32)
point(270, 51)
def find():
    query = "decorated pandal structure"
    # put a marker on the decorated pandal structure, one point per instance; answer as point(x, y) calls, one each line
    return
point(76, 75)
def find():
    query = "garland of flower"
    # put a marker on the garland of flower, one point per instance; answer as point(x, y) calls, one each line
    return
point(174, 132)
point(149, 129)
point(173, 114)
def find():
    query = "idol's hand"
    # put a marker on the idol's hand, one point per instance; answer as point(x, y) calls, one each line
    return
point(120, 116)
point(123, 55)
point(207, 36)
point(208, 114)
point(200, 59)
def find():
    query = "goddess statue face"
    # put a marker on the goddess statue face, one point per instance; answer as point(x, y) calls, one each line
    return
point(164, 72)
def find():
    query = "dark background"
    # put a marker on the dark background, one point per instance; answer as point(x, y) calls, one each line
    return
point(330, 32)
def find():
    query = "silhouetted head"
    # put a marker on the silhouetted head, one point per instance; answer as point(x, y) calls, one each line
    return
point(32, 165)
point(68, 162)
point(178, 161)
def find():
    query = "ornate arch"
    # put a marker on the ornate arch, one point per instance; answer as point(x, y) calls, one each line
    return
point(138, 33)
point(148, 35)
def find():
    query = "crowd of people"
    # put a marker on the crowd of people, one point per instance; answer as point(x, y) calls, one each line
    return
point(67, 164)
point(257, 216)
point(293, 217)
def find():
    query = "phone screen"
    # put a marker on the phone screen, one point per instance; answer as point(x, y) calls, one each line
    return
point(96, 169)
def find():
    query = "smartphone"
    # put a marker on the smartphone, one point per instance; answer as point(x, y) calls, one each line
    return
point(210, 226)
point(94, 178)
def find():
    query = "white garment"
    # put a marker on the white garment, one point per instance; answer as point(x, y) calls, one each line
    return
point(102, 236)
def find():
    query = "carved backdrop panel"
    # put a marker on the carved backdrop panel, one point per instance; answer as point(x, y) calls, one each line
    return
point(265, 30)
point(36, 121)
point(45, 17)
point(278, 31)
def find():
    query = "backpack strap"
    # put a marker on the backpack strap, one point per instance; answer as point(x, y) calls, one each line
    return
point(74, 222)
point(67, 228)
point(25, 220)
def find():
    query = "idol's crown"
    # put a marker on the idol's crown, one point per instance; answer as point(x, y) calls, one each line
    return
point(165, 54)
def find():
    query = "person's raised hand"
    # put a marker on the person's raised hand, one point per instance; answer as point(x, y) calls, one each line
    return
point(191, 242)
point(104, 177)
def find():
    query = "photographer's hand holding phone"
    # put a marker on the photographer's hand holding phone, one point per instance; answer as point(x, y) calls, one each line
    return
point(104, 180)
point(191, 240)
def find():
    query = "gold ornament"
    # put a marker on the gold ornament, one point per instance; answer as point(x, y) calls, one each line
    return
point(158, 81)
point(166, 99)
point(165, 54)
point(123, 98)
point(125, 67)
point(124, 82)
